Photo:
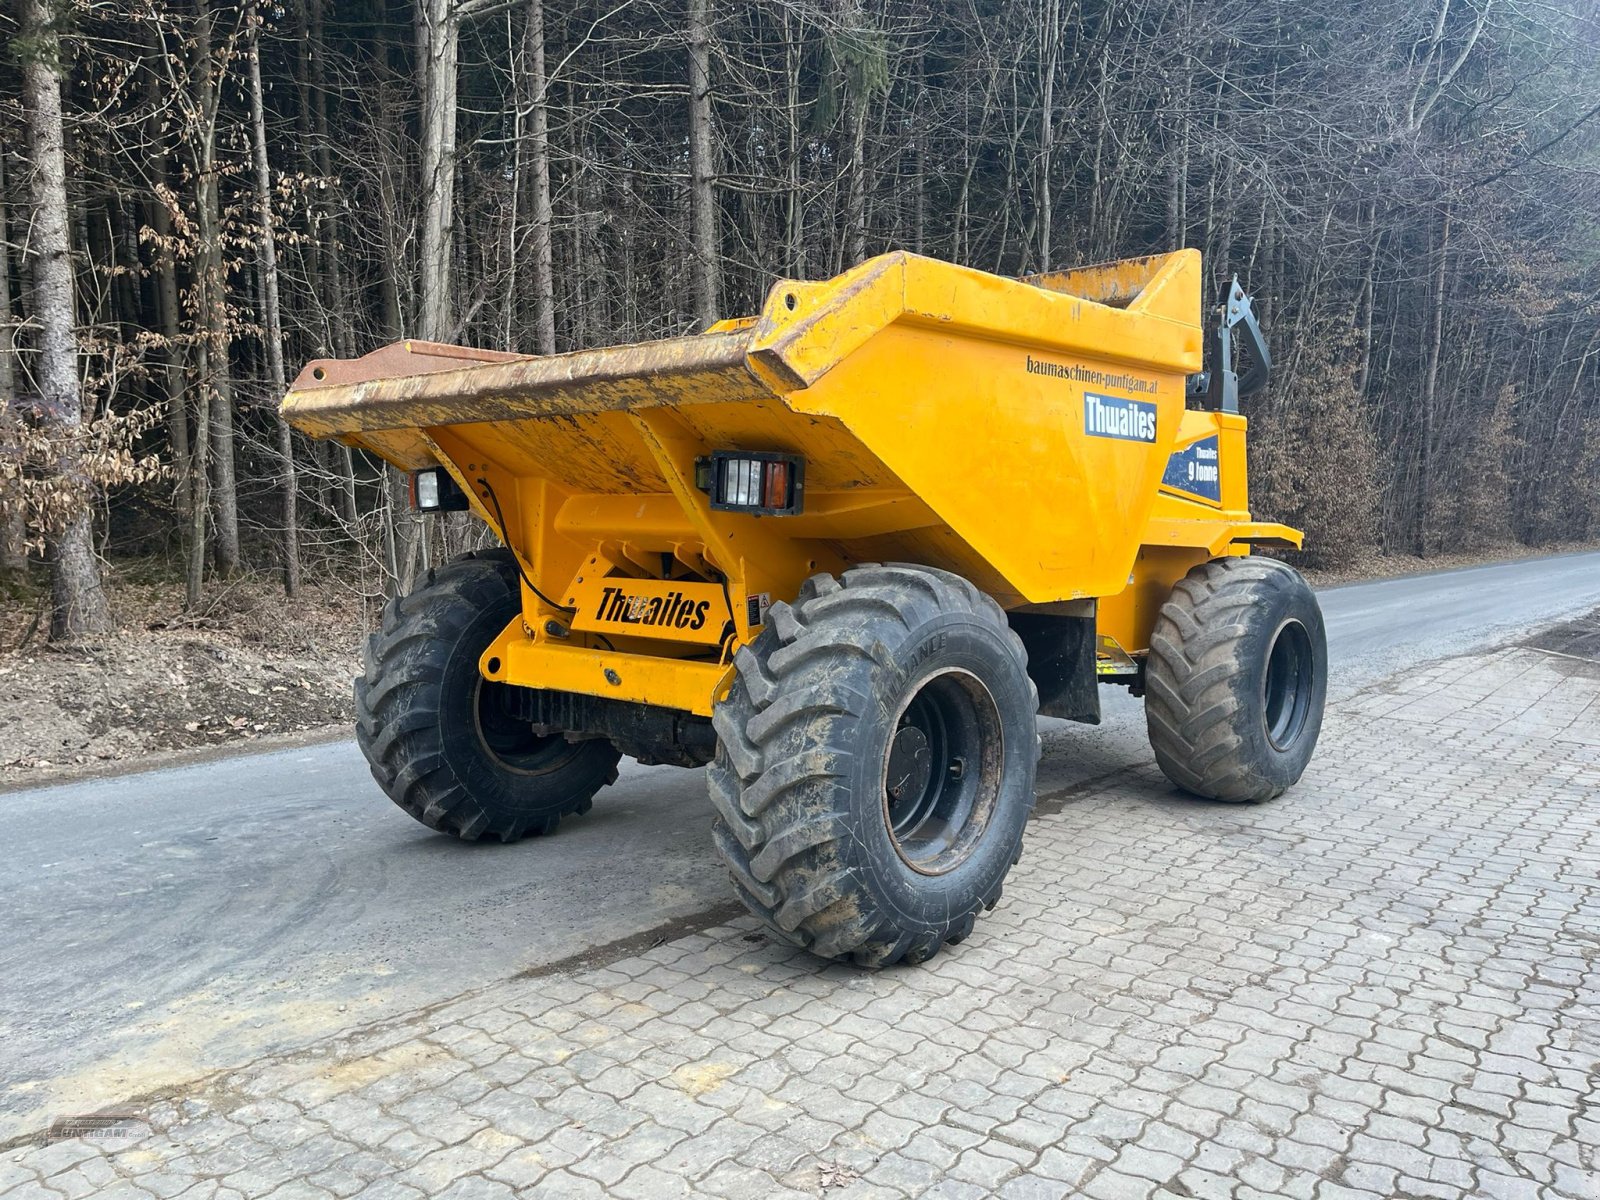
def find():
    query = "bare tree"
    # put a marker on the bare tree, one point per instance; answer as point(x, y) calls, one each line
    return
point(271, 320)
point(168, 315)
point(1049, 51)
point(544, 282)
point(13, 516)
point(438, 41)
point(704, 216)
point(215, 341)
point(78, 601)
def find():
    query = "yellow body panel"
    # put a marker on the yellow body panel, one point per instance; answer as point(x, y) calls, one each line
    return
point(1030, 435)
point(640, 677)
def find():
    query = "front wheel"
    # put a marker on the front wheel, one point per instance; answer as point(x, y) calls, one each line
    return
point(441, 740)
point(875, 764)
point(1236, 679)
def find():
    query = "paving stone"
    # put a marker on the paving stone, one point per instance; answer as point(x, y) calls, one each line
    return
point(648, 1183)
point(559, 1185)
point(1114, 1185)
point(29, 1189)
point(987, 1171)
point(1375, 986)
point(1033, 1187)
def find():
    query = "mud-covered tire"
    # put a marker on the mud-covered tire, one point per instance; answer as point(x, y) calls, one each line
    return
point(433, 731)
point(817, 846)
point(1236, 679)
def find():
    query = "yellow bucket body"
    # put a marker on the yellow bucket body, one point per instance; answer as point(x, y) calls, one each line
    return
point(1029, 435)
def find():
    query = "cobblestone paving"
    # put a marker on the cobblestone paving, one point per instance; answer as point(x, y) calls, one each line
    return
point(1384, 984)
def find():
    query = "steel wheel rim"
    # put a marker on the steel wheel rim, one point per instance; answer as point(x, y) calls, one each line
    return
point(941, 771)
point(511, 742)
point(1286, 689)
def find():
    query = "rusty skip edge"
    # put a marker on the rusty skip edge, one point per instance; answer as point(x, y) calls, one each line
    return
point(704, 368)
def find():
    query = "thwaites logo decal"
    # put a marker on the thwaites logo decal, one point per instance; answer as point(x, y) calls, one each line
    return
point(1195, 470)
point(1113, 417)
point(672, 611)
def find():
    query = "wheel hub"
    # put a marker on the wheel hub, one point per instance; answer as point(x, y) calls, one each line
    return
point(1287, 685)
point(942, 772)
point(910, 766)
point(510, 741)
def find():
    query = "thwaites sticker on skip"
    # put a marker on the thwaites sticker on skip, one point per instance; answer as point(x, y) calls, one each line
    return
point(1194, 470)
point(1113, 417)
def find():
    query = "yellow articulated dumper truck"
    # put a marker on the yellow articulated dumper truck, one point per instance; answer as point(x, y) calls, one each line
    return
point(844, 553)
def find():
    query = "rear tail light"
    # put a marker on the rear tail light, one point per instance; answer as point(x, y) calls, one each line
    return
point(751, 482)
point(435, 490)
point(775, 492)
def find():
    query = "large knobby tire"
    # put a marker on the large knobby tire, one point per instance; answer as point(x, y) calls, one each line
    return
point(437, 735)
point(1236, 679)
point(875, 765)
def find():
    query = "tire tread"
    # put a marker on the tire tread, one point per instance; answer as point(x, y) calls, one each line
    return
point(1193, 672)
point(781, 756)
point(398, 700)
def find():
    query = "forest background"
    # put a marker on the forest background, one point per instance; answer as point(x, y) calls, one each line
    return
point(198, 196)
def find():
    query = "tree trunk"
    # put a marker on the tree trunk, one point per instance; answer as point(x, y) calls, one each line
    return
point(1368, 304)
point(336, 294)
point(919, 168)
point(510, 286)
point(168, 309)
point(215, 337)
point(1050, 40)
point(438, 42)
point(271, 321)
point(855, 209)
point(1178, 163)
point(78, 601)
point(1430, 388)
point(13, 515)
point(707, 249)
point(331, 244)
point(794, 202)
point(544, 270)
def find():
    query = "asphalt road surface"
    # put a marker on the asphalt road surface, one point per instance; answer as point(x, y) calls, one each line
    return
point(164, 925)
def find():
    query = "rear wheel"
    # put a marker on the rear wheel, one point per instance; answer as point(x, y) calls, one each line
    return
point(876, 762)
point(441, 740)
point(1236, 679)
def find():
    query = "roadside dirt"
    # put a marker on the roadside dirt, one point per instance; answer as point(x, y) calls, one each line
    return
point(1388, 566)
point(255, 671)
point(249, 666)
point(1579, 639)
